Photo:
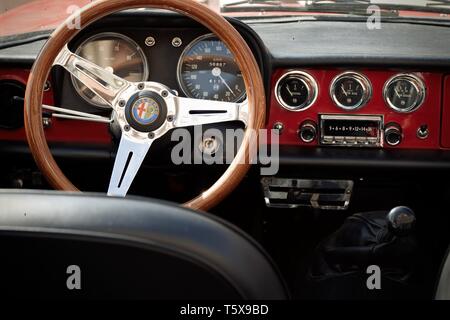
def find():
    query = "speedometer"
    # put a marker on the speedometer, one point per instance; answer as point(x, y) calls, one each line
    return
point(207, 70)
point(116, 53)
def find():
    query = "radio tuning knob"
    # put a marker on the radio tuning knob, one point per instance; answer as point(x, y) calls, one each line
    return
point(307, 131)
point(393, 134)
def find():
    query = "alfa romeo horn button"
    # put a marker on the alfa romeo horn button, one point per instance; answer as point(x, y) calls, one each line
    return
point(145, 111)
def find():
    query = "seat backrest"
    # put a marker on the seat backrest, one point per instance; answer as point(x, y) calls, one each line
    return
point(89, 246)
point(443, 287)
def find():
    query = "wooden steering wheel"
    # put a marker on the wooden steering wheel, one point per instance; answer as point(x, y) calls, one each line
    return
point(123, 97)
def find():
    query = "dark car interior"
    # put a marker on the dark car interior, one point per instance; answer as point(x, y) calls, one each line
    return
point(362, 179)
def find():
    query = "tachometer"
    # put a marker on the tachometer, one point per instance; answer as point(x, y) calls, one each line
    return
point(208, 70)
point(116, 53)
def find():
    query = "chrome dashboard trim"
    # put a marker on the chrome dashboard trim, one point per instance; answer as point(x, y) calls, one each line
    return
point(291, 193)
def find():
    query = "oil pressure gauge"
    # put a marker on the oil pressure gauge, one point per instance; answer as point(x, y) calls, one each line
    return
point(404, 93)
point(296, 91)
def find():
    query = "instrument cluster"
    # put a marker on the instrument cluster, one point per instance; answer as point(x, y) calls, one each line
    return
point(357, 108)
point(349, 91)
point(309, 107)
point(206, 68)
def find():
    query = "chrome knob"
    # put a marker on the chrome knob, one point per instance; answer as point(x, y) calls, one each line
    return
point(393, 134)
point(401, 220)
point(307, 131)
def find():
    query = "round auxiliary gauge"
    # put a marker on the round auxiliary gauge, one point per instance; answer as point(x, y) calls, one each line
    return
point(404, 92)
point(117, 54)
point(296, 91)
point(350, 90)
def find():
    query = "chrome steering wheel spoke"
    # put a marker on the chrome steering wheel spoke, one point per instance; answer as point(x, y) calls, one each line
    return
point(129, 158)
point(144, 113)
point(156, 100)
point(191, 112)
point(66, 113)
point(103, 83)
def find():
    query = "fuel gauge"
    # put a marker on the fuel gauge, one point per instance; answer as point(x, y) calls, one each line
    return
point(296, 91)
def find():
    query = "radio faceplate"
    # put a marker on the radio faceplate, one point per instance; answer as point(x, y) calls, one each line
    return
point(351, 130)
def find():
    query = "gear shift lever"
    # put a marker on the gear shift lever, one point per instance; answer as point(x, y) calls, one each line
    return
point(401, 220)
point(381, 238)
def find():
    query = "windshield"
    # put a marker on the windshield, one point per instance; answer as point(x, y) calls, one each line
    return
point(438, 8)
point(25, 18)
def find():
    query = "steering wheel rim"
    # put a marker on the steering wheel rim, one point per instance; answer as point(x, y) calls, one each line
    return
point(205, 16)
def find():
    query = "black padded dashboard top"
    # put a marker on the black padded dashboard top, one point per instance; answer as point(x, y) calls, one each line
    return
point(22, 54)
point(315, 42)
point(320, 42)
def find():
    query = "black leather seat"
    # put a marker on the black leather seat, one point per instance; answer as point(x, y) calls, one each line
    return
point(443, 287)
point(126, 248)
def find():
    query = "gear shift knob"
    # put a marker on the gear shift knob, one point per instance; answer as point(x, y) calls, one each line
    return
point(401, 220)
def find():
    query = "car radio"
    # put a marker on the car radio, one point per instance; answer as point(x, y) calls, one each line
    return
point(351, 130)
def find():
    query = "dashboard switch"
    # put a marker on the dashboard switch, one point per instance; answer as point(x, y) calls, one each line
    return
point(423, 132)
point(278, 127)
point(393, 134)
point(308, 131)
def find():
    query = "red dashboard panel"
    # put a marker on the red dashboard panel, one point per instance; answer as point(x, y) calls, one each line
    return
point(445, 137)
point(60, 130)
point(72, 131)
point(428, 114)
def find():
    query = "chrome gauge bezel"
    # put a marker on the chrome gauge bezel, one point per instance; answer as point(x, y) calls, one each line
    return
point(310, 83)
point(416, 82)
point(362, 80)
point(123, 37)
point(194, 42)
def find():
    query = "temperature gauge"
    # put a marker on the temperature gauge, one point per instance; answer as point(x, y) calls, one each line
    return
point(350, 91)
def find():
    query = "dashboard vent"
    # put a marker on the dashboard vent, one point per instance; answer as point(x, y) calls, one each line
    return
point(318, 194)
point(11, 104)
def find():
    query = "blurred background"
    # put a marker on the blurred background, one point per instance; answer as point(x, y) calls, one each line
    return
point(6, 5)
